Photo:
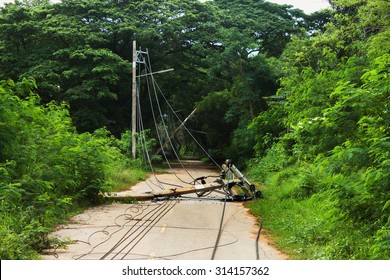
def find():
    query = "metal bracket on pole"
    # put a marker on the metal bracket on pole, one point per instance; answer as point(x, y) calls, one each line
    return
point(248, 188)
point(139, 58)
point(158, 72)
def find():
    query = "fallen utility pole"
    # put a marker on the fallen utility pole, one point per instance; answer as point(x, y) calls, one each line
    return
point(200, 187)
point(173, 192)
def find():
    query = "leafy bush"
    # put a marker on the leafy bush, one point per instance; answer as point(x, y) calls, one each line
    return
point(275, 160)
point(47, 169)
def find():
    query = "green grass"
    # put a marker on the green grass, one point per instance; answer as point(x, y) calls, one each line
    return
point(125, 178)
point(297, 226)
point(307, 224)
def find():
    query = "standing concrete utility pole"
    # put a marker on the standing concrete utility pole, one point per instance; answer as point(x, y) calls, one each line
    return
point(134, 103)
point(136, 59)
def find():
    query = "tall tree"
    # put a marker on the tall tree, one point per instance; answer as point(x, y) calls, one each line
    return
point(251, 33)
point(269, 25)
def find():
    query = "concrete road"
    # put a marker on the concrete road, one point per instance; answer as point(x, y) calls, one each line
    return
point(182, 229)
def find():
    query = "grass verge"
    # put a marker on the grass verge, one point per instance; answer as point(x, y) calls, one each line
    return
point(306, 220)
point(299, 226)
point(125, 178)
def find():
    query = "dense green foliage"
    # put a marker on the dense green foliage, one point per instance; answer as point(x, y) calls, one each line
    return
point(80, 52)
point(305, 97)
point(328, 167)
point(47, 170)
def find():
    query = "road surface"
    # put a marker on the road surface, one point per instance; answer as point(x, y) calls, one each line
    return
point(182, 229)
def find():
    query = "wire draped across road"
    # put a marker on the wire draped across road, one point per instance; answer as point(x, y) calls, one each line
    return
point(154, 91)
point(117, 242)
point(141, 219)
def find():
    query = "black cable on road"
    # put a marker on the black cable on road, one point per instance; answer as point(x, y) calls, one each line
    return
point(257, 241)
point(134, 228)
point(147, 229)
point(220, 231)
point(135, 209)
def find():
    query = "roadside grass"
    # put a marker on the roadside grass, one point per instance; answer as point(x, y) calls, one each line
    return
point(300, 227)
point(124, 178)
point(302, 213)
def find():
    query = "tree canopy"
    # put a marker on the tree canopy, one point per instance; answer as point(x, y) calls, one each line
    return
point(80, 51)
